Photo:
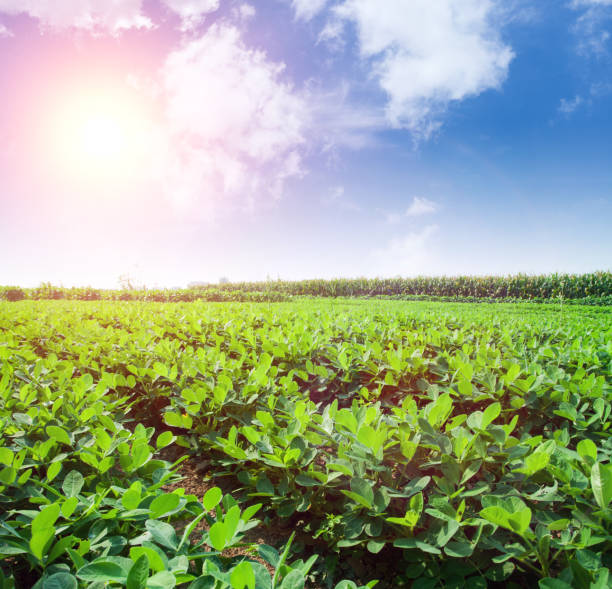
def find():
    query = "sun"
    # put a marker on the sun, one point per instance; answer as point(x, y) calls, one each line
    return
point(98, 136)
point(101, 138)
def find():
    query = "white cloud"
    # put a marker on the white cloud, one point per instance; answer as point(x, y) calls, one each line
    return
point(307, 9)
point(417, 208)
point(192, 12)
point(245, 11)
point(421, 206)
point(4, 32)
point(90, 15)
point(237, 128)
point(410, 255)
point(578, 3)
point(426, 55)
point(567, 107)
point(337, 198)
point(332, 34)
point(589, 28)
point(338, 121)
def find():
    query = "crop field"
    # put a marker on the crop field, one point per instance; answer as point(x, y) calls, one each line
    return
point(325, 443)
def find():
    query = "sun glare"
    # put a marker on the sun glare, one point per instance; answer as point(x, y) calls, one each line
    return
point(100, 137)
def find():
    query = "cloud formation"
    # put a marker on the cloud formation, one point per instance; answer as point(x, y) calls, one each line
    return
point(426, 55)
point(307, 9)
point(567, 106)
point(4, 32)
point(90, 15)
point(417, 208)
point(236, 126)
point(589, 28)
point(421, 206)
point(192, 12)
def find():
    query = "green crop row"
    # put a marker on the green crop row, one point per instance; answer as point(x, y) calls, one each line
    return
point(521, 286)
point(50, 292)
point(590, 289)
point(466, 445)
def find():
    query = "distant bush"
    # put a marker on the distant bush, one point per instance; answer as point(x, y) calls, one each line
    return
point(12, 294)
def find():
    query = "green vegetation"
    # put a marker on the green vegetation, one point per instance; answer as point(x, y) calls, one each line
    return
point(463, 445)
point(589, 289)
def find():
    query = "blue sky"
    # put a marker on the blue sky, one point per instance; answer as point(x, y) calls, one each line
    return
point(185, 140)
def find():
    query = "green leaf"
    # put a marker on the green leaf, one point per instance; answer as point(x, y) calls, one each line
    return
point(517, 521)
point(212, 498)
point(601, 483)
point(587, 449)
point(459, 549)
point(59, 434)
point(242, 576)
point(6, 456)
point(218, 536)
point(490, 414)
point(60, 547)
point(137, 577)
point(178, 420)
point(375, 546)
point(162, 533)
point(164, 439)
point(364, 489)
point(156, 562)
point(269, 554)
point(68, 506)
point(73, 483)
point(162, 580)
point(550, 583)
point(131, 498)
point(102, 571)
point(43, 529)
point(306, 481)
point(53, 470)
point(60, 581)
point(294, 580)
point(163, 505)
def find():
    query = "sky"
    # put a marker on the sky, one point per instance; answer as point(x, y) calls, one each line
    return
point(180, 141)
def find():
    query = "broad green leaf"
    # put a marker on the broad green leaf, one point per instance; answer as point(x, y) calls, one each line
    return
point(601, 483)
point(53, 470)
point(162, 580)
point(363, 488)
point(550, 583)
point(294, 580)
point(137, 577)
point(212, 498)
point(102, 571)
point(73, 483)
point(59, 434)
point(164, 504)
point(490, 414)
point(178, 420)
point(587, 449)
point(218, 536)
point(43, 529)
point(164, 439)
point(242, 576)
point(162, 533)
point(60, 581)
